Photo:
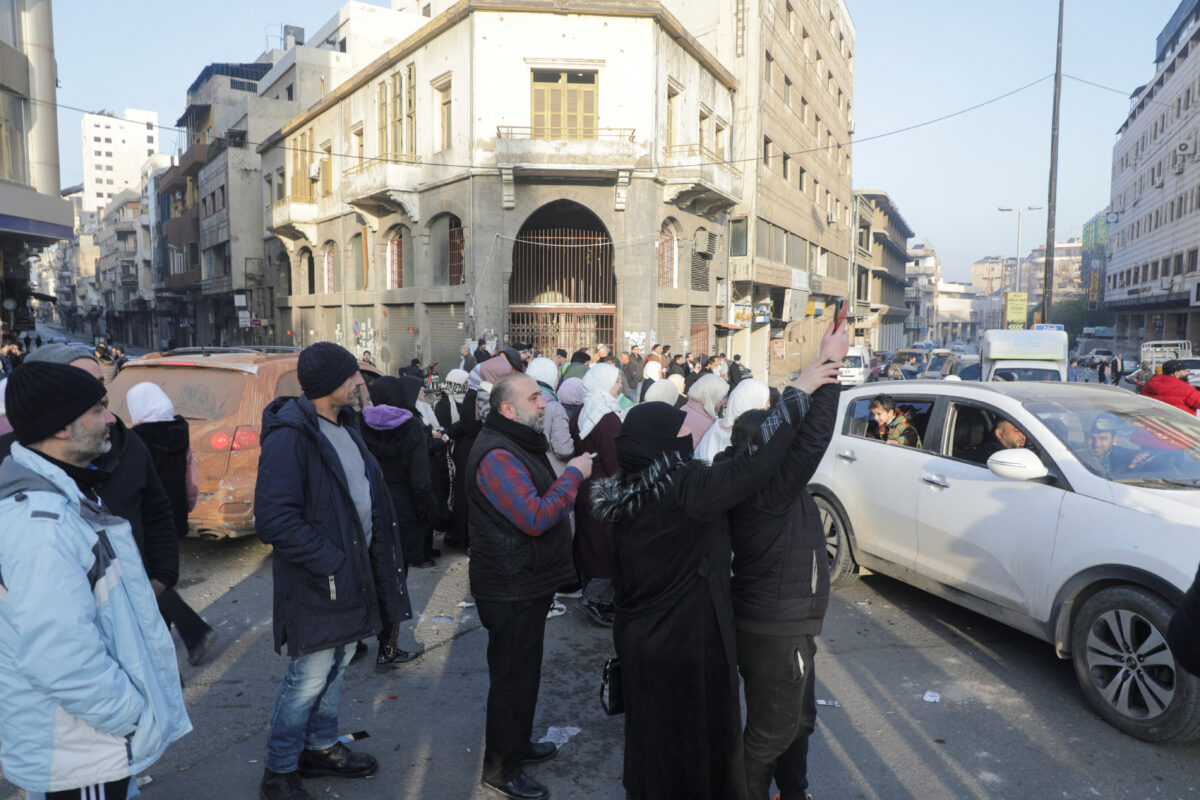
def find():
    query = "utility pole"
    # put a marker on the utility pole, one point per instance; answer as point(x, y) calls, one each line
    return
point(1048, 281)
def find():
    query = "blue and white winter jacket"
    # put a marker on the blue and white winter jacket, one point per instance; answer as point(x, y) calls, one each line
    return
point(89, 685)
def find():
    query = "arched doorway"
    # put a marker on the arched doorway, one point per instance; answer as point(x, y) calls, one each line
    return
point(308, 268)
point(563, 291)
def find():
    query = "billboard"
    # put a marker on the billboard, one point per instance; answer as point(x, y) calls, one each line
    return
point(1094, 255)
point(1015, 310)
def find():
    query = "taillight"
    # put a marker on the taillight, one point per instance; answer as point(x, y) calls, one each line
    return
point(245, 438)
point(219, 441)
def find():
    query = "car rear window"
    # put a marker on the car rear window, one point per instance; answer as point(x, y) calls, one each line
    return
point(197, 393)
point(1025, 374)
point(936, 363)
point(852, 361)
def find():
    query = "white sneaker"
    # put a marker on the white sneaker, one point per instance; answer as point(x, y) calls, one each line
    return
point(557, 609)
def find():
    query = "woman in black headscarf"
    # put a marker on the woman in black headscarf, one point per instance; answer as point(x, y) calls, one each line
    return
point(396, 435)
point(673, 626)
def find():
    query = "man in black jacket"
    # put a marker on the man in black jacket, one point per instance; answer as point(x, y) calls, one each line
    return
point(780, 590)
point(520, 555)
point(338, 571)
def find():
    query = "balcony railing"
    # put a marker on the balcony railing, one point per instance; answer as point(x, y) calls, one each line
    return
point(362, 165)
point(563, 132)
point(696, 175)
point(703, 157)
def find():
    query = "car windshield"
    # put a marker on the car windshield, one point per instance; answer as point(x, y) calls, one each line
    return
point(854, 362)
point(936, 363)
point(1131, 440)
point(197, 393)
point(1025, 374)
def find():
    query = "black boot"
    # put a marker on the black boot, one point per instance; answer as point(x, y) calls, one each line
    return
point(338, 761)
point(391, 657)
point(281, 786)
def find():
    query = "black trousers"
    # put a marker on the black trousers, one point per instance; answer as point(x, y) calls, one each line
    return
point(177, 612)
point(781, 711)
point(514, 654)
point(113, 790)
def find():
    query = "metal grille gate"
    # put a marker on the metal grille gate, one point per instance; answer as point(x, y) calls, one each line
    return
point(563, 290)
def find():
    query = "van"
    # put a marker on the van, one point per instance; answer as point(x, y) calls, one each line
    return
point(1024, 355)
point(856, 366)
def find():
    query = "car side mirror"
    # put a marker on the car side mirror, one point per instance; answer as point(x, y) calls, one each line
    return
point(1017, 464)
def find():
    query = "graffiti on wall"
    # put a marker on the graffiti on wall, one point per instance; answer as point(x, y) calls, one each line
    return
point(636, 338)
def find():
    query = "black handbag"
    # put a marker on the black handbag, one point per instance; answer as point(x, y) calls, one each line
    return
point(612, 692)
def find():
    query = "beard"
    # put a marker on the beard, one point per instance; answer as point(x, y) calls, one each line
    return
point(88, 445)
point(535, 421)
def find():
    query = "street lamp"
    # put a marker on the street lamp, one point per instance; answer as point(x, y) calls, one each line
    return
point(1019, 211)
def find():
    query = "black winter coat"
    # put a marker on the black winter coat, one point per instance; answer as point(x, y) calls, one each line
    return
point(673, 626)
point(168, 443)
point(329, 585)
point(403, 455)
point(129, 487)
point(780, 568)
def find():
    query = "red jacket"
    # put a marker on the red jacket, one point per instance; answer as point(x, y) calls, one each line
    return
point(1174, 392)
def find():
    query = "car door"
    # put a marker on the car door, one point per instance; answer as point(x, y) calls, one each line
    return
point(876, 482)
point(988, 536)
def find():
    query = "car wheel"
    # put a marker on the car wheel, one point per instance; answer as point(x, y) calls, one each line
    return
point(842, 569)
point(1127, 671)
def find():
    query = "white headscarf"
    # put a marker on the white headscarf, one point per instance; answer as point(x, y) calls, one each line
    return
point(149, 403)
point(652, 371)
point(748, 395)
point(709, 391)
point(662, 392)
point(597, 397)
point(544, 371)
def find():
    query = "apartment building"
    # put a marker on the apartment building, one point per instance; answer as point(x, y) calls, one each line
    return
point(959, 313)
point(882, 246)
point(114, 149)
point(117, 237)
point(922, 275)
point(790, 238)
point(33, 216)
point(1153, 273)
point(217, 283)
point(540, 174)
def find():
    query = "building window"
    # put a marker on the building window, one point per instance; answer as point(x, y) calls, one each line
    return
point(329, 269)
point(397, 257)
point(564, 105)
point(672, 115)
point(13, 162)
point(288, 91)
point(381, 120)
point(446, 236)
point(768, 147)
point(737, 237)
point(326, 165)
point(445, 102)
point(410, 110)
point(668, 254)
point(397, 114)
point(10, 24)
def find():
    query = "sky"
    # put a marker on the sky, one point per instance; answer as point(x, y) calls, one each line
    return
point(915, 61)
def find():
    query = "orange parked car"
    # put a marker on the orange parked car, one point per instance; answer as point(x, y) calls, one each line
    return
point(221, 392)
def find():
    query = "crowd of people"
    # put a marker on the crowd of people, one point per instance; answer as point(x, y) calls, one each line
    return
point(624, 485)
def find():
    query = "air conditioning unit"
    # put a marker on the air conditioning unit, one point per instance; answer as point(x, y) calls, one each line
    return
point(1186, 148)
point(314, 172)
point(831, 218)
point(1179, 168)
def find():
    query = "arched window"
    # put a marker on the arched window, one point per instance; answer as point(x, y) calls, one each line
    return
point(399, 258)
point(308, 275)
point(668, 261)
point(446, 235)
point(356, 280)
point(331, 280)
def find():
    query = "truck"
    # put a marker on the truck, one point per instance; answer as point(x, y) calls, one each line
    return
point(1156, 353)
point(1024, 356)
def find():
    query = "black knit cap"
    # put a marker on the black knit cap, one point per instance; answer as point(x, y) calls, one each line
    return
point(323, 367)
point(1173, 366)
point(43, 398)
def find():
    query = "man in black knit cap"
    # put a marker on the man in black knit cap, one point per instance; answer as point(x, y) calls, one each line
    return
point(338, 568)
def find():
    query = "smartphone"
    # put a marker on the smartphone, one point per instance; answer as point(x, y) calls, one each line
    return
point(841, 309)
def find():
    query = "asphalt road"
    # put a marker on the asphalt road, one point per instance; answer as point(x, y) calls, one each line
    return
point(1009, 721)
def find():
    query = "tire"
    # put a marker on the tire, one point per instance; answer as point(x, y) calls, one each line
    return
point(842, 569)
point(1126, 671)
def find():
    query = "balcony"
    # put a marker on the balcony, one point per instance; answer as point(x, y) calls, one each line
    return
point(129, 277)
point(123, 225)
point(571, 151)
point(699, 180)
point(193, 159)
point(189, 279)
point(384, 185)
point(171, 181)
point(294, 217)
point(184, 229)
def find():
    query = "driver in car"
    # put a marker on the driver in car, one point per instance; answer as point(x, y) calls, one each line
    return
point(1114, 462)
point(1008, 437)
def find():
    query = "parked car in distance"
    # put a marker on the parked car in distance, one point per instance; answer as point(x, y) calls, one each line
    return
point(959, 346)
point(221, 392)
point(856, 366)
point(1085, 537)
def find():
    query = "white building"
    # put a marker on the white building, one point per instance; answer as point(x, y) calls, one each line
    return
point(114, 150)
point(922, 275)
point(959, 313)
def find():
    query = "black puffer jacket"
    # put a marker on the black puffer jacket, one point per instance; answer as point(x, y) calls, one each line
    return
point(168, 444)
point(127, 482)
point(328, 585)
point(780, 570)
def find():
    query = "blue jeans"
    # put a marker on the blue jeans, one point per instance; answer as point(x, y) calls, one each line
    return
point(306, 708)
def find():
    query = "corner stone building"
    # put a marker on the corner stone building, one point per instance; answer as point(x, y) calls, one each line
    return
point(523, 174)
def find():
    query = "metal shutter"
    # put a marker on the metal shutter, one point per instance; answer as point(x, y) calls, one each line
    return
point(333, 329)
point(700, 330)
point(670, 327)
point(308, 327)
point(447, 332)
point(400, 344)
point(283, 327)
